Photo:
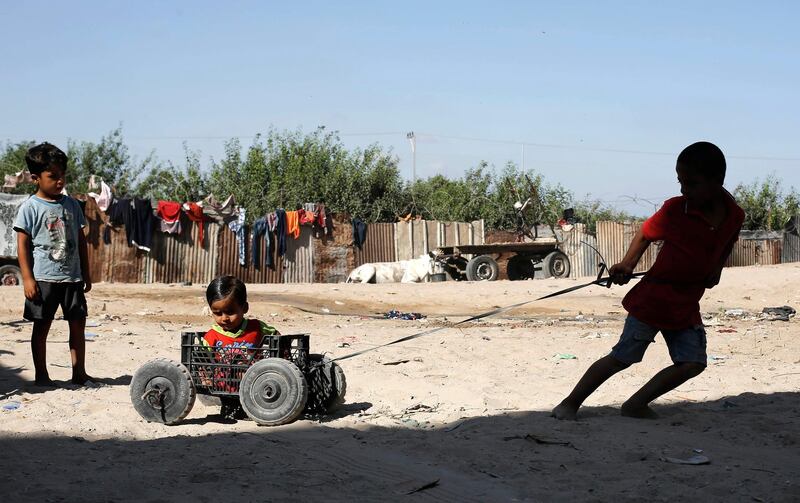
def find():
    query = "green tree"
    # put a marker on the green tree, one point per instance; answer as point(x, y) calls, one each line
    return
point(12, 161)
point(766, 205)
point(173, 183)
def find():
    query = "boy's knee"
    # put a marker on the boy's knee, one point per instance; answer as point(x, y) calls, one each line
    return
point(617, 363)
point(693, 369)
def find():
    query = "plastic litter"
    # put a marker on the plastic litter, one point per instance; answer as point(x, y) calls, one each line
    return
point(697, 459)
point(11, 406)
point(89, 335)
point(565, 356)
point(399, 315)
point(782, 313)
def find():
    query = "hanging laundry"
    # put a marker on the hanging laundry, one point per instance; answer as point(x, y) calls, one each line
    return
point(120, 213)
point(222, 213)
point(238, 228)
point(195, 213)
point(293, 224)
point(104, 198)
point(15, 179)
point(280, 230)
point(272, 221)
point(170, 214)
point(321, 221)
point(145, 221)
point(260, 227)
point(359, 232)
point(305, 217)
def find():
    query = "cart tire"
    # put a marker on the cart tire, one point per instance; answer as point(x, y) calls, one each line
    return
point(162, 391)
point(273, 392)
point(10, 275)
point(482, 268)
point(556, 265)
point(327, 385)
point(520, 267)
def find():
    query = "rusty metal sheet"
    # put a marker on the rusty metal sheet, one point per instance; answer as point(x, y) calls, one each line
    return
point(748, 252)
point(379, 246)
point(175, 258)
point(333, 254)
point(791, 241)
point(298, 264)
point(614, 238)
point(583, 260)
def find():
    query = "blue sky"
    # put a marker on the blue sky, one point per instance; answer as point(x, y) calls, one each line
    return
point(604, 94)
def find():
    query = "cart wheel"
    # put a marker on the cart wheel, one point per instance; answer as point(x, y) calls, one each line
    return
point(162, 391)
point(520, 268)
point(482, 268)
point(273, 392)
point(556, 265)
point(327, 385)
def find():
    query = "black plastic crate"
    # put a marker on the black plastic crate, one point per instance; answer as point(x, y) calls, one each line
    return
point(219, 370)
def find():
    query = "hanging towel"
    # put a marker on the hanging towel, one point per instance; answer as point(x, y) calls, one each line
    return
point(195, 213)
point(293, 224)
point(103, 199)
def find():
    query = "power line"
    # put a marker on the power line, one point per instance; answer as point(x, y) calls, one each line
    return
point(440, 136)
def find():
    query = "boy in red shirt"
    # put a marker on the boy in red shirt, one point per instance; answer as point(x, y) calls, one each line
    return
point(698, 230)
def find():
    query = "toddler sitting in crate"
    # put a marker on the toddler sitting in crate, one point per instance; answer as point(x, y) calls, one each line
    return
point(233, 339)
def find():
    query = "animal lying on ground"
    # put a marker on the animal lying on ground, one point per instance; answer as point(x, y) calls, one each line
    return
point(404, 271)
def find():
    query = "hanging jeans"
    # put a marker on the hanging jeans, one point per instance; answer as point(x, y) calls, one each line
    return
point(238, 228)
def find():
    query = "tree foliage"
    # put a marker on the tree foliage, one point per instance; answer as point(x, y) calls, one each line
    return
point(765, 203)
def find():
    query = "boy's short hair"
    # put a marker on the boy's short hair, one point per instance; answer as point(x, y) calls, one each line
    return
point(44, 156)
point(704, 158)
point(225, 286)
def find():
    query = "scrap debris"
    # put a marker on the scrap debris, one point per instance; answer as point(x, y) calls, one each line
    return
point(399, 315)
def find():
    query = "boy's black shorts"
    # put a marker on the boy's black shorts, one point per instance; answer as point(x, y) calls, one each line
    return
point(67, 295)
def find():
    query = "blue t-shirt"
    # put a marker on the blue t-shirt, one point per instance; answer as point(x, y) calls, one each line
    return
point(53, 227)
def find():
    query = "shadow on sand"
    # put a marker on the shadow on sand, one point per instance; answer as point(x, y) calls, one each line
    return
point(751, 440)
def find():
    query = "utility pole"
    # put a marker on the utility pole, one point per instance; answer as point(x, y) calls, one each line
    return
point(412, 138)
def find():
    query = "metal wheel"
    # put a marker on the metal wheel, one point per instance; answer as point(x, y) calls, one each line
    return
point(482, 268)
point(327, 385)
point(162, 391)
point(273, 392)
point(556, 265)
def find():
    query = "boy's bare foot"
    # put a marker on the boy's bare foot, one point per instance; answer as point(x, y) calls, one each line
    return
point(81, 378)
point(45, 382)
point(639, 412)
point(565, 411)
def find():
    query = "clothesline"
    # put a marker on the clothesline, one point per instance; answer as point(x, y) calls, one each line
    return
point(140, 217)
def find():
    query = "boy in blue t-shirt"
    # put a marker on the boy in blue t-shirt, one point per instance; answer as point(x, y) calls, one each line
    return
point(53, 259)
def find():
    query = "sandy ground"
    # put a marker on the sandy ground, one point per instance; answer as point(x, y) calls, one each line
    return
point(468, 407)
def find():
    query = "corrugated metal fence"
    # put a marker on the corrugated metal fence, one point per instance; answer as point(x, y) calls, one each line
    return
point(329, 258)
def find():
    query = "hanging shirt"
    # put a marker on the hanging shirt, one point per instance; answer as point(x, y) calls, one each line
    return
point(293, 224)
point(238, 228)
point(272, 221)
point(170, 214)
point(145, 221)
point(195, 213)
point(121, 213)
